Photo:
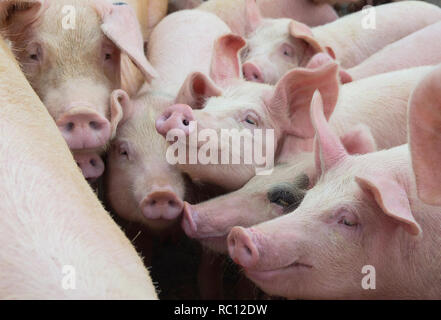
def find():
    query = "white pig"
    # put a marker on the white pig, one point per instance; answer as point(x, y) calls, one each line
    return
point(362, 219)
point(58, 241)
point(70, 51)
point(278, 45)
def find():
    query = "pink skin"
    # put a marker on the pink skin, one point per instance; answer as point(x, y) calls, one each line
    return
point(359, 204)
point(50, 217)
point(91, 165)
point(140, 184)
point(74, 72)
point(228, 102)
point(425, 137)
point(400, 54)
point(276, 46)
point(233, 12)
point(264, 197)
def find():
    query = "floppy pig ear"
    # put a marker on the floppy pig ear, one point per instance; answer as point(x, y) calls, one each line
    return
point(121, 109)
point(254, 17)
point(291, 102)
point(121, 26)
point(225, 63)
point(301, 31)
point(425, 137)
point(195, 89)
point(27, 10)
point(329, 150)
point(392, 199)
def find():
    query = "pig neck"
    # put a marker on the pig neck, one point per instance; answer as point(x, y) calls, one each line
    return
point(291, 146)
point(417, 264)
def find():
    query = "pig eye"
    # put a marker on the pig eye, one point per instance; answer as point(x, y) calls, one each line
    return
point(348, 220)
point(34, 52)
point(251, 120)
point(287, 50)
point(284, 197)
point(123, 151)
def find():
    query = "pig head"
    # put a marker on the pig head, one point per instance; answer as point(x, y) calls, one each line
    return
point(226, 102)
point(356, 217)
point(70, 51)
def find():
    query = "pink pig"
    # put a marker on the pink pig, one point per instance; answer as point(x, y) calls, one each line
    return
point(278, 45)
point(70, 52)
point(401, 54)
point(363, 216)
point(234, 12)
point(228, 102)
point(141, 185)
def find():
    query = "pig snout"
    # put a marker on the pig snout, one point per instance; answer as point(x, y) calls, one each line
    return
point(177, 116)
point(83, 128)
point(242, 248)
point(252, 72)
point(91, 165)
point(162, 204)
point(188, 224)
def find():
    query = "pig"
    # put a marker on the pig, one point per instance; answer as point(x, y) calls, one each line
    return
point(53, 224)
point(149, 13)
point(263, 197)
point(362, 216)
point(399, 55)
point(234, 13)
point(278, 45)
point(140, 183)
point(228, 102)
point(74, 68)
point(425, 137)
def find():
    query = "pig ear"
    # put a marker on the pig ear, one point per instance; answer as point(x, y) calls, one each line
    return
point(329, 150)
point(359, 140)
point(322, 58)
point(121, 109)
point(196, 88)
point(28, 10)
point(225, 63)
point(290, 104)
point(254, 17)
point(425, 137)
point(301, 31)
point(121, 26)
point(392, 199)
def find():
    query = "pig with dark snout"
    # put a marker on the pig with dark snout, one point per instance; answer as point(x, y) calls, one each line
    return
point(363, 216)
point(70, 52)
point(141, 185)
point(277, 45)
point(228, 102)
point(264, 197)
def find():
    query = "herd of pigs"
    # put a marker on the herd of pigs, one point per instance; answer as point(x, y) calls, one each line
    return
point(91, 89)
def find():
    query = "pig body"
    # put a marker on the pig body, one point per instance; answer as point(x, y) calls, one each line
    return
point(74, 64)
point(233, 12)
point(278, 45)
point(364, 213)
point(51, 220)
point(141, 184)
point(401, 54)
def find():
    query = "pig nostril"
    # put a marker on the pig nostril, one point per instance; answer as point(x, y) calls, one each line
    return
point(153, 202)
point(92, 162)
point(94, 125)
point(256, 76)
point(185, 122)
point(70, 126)
point(248, 250)
point(171, 203)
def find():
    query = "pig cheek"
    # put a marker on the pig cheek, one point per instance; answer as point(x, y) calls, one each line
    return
point(118, 192)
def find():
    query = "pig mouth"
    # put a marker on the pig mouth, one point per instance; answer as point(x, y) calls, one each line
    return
point(270, 275)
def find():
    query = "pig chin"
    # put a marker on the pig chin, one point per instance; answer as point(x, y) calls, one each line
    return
point(275, 281)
